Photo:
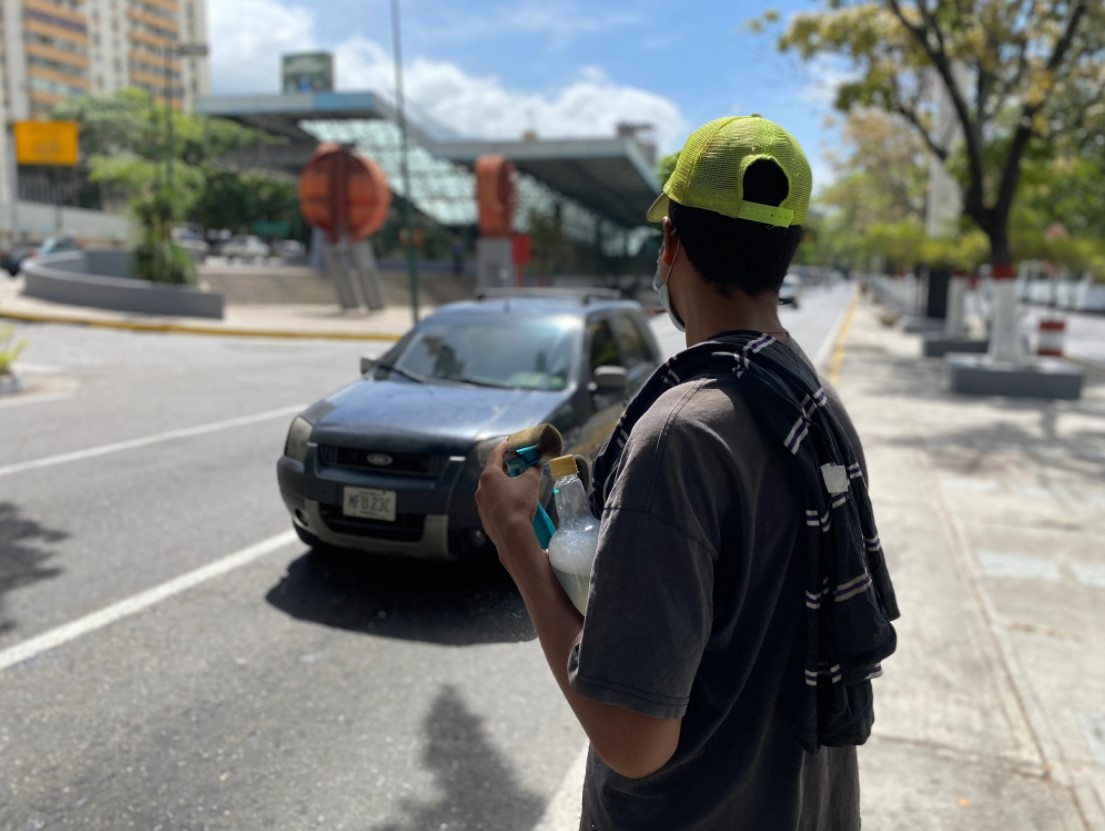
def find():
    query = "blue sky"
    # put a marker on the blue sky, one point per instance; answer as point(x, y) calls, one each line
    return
point(566, 67)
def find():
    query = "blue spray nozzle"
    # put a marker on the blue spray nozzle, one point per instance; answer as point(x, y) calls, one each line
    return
point(519, 461)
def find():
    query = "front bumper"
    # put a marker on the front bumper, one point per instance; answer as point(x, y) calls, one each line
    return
point(436, 515)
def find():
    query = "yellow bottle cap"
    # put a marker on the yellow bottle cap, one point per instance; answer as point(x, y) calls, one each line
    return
point(563, 466)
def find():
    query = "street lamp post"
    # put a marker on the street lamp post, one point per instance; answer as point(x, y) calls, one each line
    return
point(404, 162)
point(180, 50)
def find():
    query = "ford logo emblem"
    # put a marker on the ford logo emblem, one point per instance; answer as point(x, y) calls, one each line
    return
point(379, 459)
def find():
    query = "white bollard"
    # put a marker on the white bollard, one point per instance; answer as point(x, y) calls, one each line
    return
point(1005, 333)
point(955, 324)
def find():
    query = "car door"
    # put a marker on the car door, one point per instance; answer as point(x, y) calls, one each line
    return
point(603, 409)
point(640, 355)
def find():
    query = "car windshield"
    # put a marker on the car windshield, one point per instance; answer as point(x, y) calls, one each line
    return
point(509, 350)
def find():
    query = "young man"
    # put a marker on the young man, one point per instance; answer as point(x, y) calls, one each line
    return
point(739, 603)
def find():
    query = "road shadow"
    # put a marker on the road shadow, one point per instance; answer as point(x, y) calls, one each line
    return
point(456, 604)
point(23, 554)
point(478, 789)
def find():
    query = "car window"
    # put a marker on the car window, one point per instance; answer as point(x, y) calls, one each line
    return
point(520, 351)
point(634, 346)
point(604, 348)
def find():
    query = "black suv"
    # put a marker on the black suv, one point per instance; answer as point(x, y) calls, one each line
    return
point(390, 463)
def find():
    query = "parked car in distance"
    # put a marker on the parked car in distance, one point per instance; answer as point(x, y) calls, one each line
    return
point(245, 247)
point(13, 260)
point(790, 293)
point(191, 241)
point(390, 463)
point(290, 249)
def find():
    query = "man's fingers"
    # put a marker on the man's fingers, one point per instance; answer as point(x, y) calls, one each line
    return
point(495, 458)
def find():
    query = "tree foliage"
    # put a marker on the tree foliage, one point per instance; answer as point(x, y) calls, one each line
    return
point(125, 145)
point(1017, 73)
point(665, 167)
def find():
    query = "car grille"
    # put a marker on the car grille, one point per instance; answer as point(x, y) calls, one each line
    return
point(406, 528)
point(356, 458)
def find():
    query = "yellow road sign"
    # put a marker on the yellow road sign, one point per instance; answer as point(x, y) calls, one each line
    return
point(46, 142)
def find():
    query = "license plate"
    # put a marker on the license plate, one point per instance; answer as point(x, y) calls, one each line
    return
point(369, 504)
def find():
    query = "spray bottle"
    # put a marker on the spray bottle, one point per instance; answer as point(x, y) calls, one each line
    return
point(572, 548)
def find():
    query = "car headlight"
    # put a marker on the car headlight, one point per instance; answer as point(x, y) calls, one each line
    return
point(298, 436)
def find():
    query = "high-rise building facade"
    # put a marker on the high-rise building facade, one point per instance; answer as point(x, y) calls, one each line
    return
point(52, 50)
point(56, 49)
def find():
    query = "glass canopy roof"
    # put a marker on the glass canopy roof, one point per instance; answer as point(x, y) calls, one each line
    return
point(445, 192)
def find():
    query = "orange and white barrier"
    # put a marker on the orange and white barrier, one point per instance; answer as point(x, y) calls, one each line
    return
point(1051, 337)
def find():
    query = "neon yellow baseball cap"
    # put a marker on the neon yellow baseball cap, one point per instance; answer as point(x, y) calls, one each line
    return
point(710, 171)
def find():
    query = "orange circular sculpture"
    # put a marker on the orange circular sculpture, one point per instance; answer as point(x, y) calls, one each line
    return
point(496, 195)
point(343, 194)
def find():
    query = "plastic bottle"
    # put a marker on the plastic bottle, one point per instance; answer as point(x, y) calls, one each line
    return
point(573, 546)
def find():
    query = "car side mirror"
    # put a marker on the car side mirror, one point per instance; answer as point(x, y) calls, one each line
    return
point(610, 380)
point(368, 363)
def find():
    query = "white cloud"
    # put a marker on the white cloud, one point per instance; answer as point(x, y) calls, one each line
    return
point(248, 37)
point(590, 104)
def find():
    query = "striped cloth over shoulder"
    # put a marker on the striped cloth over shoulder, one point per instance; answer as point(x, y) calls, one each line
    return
point(849, 599)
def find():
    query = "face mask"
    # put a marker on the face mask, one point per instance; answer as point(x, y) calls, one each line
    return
point(661, 288)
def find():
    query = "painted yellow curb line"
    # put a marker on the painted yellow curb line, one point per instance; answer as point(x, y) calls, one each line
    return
point(193, 329)
point(841, 337)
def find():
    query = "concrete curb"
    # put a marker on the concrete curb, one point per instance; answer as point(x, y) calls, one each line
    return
point(194, 329)
point(11, 383)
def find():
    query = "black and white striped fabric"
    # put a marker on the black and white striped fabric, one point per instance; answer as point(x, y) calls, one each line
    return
point(850, 601)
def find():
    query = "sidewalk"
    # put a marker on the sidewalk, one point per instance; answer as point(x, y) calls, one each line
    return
point(992, 512)
point(992, 713)
point(280, 321)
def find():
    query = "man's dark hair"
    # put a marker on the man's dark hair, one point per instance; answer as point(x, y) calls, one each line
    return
point(738, 253)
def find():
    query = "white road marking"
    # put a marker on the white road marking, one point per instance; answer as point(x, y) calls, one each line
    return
point(187, 432)
point(562, 812)
point(821, 360)
point(132, 605)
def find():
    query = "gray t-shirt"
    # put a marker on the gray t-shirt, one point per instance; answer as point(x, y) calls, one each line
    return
point(695, 612)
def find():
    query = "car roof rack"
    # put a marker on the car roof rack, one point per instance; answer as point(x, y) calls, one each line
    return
point(584, 294)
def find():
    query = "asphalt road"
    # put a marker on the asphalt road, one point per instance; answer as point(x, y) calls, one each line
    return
point(172, 658)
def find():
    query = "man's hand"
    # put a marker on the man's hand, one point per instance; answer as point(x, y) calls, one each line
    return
point(506, 504)
point(632, 744)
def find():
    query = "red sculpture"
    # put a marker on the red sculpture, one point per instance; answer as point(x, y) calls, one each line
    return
point(496, 196)
point(344, 194)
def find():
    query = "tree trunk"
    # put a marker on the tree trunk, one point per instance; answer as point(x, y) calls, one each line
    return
point(998, 233)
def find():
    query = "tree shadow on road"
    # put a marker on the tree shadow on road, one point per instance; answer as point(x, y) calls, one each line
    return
point(22, 557)
point(447, 603)
point(478, 788)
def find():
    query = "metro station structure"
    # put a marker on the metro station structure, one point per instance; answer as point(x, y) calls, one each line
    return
point(581, 200)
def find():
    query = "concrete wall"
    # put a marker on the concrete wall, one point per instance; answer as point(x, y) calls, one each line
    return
point(37, 222)
point(63, 278)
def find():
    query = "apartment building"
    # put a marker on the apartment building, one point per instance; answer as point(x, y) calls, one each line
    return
point(55, 49)
point(51, 50)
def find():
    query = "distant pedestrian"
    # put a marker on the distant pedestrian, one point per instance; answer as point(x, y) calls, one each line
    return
point(456, 247)
point(739, 603)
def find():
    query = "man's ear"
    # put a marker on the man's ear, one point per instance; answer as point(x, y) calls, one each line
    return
point(671, 242)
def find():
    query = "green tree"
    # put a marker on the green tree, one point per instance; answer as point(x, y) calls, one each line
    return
point(665, 167)
point(124, 144)
point(1017, 72)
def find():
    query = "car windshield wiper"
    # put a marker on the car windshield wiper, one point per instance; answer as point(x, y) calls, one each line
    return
point(477, 382)
point(418, 379)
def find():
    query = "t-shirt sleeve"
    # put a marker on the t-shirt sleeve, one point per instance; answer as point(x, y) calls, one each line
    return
point(650, 608)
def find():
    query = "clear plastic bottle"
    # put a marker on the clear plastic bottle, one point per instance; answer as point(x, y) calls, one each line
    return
point(573, 546)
